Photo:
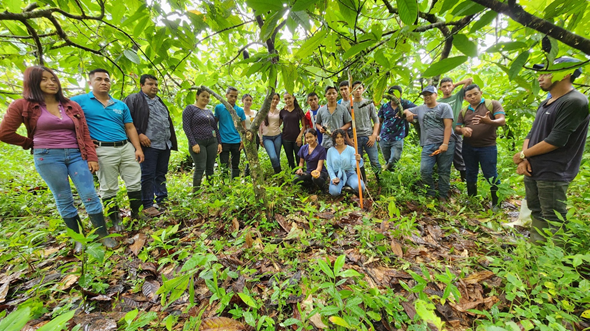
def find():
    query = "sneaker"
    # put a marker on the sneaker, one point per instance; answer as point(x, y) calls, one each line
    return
point(151, 212)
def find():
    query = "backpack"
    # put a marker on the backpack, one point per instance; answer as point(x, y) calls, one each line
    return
point(488, 103)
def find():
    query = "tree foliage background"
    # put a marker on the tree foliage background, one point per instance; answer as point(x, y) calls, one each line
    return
point(300, 45)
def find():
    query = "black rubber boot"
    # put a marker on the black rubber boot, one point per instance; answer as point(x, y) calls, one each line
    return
point(463, 175)
point(494, 194)
point(112, 210)
point(135, 204)
point(471, 189)
point(74, 224)
point(101, 229)
point(277, 169)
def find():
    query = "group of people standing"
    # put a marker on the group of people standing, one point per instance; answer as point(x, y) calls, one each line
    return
point(95, 133)
point(132, 139)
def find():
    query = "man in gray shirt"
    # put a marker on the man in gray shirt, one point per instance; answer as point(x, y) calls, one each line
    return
point(156, 134)
point(331, 117)
point(438, 144)
point(366, 132)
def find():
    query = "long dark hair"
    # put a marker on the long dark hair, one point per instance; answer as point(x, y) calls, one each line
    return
point(266, 118)
point(32, 85)
point(297, 108)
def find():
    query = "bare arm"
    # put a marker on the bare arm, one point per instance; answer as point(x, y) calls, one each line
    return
point(466, 81)
point(447, 134)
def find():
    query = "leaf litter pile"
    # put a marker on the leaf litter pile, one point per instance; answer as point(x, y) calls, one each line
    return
point(325, 265)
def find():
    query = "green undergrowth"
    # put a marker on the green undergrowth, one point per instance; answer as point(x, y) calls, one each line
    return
point(303, 261)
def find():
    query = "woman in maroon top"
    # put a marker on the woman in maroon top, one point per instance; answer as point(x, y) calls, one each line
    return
point(292, 135)
point(62, 148)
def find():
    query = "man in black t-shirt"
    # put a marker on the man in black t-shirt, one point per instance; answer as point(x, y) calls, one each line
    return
point(552, 151)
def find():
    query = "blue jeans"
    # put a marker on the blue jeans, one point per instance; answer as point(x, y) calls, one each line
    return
point(352, 181)
point(273, 144)
point(444, 162)
point(392, 150)
point(55, 166)
point(487, 157)
point(372, 152)
point(153, 175)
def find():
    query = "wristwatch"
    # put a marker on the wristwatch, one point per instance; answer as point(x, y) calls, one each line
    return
point(522, 156)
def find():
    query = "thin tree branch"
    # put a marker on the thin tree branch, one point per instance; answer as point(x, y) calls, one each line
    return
point(518, 14)
point(37, 41)
point(205, 38)
point(240, 52)
point(28, 37)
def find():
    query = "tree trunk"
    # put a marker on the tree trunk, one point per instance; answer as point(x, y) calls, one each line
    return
point(256, 171)
point(249, 140)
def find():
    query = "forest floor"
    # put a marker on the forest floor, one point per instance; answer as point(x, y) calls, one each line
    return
point(220, 260)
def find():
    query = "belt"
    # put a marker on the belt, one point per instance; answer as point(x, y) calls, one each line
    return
point(109, 144)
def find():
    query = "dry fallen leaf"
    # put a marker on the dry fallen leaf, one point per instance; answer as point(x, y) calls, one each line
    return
point(478, 277)
point(283, 222)
point(68, 282)
point(221, 324)
point(4, 291)
point(316, 319)
point(139, 241)
point(236, 225)
point(249, 240)
point(149, 289)
point(325, 216)
point(397, 248)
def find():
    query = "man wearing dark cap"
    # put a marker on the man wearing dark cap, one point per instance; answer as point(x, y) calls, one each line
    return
point(552, 151)
point(438, 144)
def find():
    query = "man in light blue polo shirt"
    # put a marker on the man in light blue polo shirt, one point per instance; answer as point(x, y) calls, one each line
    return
point(231, 142)
point(111, 127)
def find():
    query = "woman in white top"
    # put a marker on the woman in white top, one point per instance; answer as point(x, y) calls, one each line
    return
point(271, 134)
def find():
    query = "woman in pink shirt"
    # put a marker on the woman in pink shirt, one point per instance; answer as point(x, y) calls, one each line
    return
point(58, 135)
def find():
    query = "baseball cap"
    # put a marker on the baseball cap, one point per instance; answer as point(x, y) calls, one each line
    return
point(429, 89)
point(563, 59)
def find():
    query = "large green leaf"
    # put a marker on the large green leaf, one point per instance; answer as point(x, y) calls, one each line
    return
point(302, 4)
point(310, 45)
point(445, 65)
point(380, 58)
point(466, 46)
point(132, 56)
point(348, 11)
point(269, 26)
point(467, 7)
point(58, 323)
point(378, 93)
point(484, 20)
point(408, 11)
point(357, 49)
point(16, 320)
point(301, 18)
point(265, 5)
point(517, 64)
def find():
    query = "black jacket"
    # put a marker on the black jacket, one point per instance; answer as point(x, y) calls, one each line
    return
point(140, 112)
